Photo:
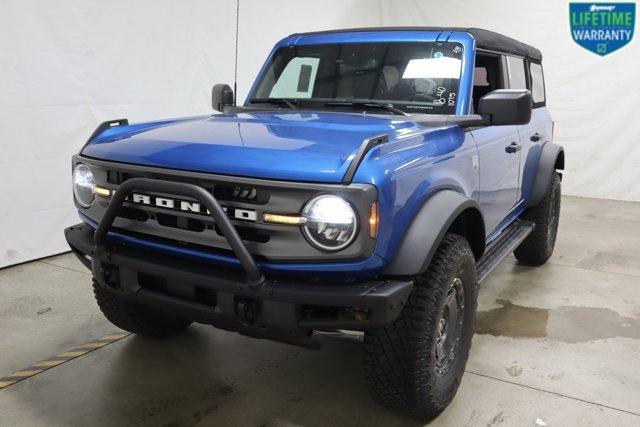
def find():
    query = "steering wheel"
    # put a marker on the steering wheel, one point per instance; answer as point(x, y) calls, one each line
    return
point(424, 89)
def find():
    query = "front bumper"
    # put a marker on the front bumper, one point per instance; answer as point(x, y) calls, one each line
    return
point(281, 309)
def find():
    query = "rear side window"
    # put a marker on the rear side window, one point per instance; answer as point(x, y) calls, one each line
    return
point(537, 84)
point(517, 76)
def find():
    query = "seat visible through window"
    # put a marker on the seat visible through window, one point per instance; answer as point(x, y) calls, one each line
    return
point(486, 77)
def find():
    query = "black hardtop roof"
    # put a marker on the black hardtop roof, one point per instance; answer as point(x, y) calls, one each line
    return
point(485, 39)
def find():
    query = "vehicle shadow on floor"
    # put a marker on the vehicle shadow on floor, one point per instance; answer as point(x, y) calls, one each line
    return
point(206, 376)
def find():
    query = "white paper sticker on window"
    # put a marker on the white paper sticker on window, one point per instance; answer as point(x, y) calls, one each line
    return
point(297, 79)
point(433, 68)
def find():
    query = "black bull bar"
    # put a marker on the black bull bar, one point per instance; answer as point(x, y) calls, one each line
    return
point(246, 301)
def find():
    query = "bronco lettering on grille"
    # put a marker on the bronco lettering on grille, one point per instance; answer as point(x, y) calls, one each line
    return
point(188, 206)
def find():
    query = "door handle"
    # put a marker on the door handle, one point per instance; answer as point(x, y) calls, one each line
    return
point(514, 147)
point(535, 137)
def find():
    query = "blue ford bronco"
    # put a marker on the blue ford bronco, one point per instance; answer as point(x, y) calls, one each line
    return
point(371, 180)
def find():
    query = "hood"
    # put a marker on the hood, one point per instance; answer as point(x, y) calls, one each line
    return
point(294, 146)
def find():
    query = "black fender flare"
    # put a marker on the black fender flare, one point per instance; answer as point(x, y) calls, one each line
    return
point(427, 230)
point(551, 158)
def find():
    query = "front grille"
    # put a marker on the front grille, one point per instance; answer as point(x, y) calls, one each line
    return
point(185, 222)
point(221, 191)
point(190, 224)
point(199, 221)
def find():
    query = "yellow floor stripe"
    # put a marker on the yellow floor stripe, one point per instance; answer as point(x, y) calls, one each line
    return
point(60, 359)
point(49, 363)
point(72, 353)
point(25, 373)
point(113, 337)
point(94, 345)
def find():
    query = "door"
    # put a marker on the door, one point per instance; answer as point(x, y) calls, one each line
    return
point(499, 147)
point(499, 167)
point(531, 135)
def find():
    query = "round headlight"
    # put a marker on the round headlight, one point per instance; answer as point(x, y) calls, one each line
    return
point(331, 222)
point(83, 185)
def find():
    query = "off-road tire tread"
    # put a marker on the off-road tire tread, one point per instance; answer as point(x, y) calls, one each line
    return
point(534, 249)
point(136, 318)
point(395, 367)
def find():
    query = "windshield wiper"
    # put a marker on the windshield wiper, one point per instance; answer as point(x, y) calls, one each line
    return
point(291, 103)
point(367, 104)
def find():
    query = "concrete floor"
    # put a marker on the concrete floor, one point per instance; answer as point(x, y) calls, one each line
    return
point(556, 345)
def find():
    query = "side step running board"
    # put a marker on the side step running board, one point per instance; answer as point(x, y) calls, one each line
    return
point(502, 246)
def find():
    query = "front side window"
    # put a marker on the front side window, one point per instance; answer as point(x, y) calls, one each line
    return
point(537, 83)
point(416, 77)
point(517, 77)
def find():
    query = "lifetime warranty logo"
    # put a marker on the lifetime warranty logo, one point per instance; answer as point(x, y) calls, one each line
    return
point(602, 28)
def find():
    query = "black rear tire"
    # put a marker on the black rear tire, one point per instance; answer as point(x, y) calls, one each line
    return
point(136, 318)
point(537, 248)
point(408, 365)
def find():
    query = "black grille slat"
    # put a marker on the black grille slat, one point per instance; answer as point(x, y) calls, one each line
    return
point(132, 213)
point(180, 222)
point(235, 193)
point(249, 234)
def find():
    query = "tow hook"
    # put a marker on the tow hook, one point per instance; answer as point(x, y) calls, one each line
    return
point(247, 310)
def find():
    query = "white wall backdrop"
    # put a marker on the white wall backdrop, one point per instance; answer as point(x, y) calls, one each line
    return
point(67, 65)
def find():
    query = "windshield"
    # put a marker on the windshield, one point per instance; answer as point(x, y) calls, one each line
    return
point(416, 77)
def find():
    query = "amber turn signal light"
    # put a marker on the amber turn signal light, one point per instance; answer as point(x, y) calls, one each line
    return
point(373, 220)
point(284, 219)
point(101, 191)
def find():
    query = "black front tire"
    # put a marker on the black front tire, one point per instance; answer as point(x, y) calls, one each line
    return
point(537, 248)
point(408, 367)
point(136, 318)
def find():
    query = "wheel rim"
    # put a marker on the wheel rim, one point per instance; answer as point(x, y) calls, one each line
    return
point(553, 219)
point(449, 326)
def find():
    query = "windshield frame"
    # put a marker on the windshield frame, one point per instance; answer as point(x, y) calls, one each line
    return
point(467, 41)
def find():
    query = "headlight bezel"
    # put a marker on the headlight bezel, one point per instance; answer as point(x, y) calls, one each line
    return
point(308, 232)
point(89, 179)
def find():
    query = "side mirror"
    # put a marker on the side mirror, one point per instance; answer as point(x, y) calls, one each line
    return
point(507, 106)
point(221, 96)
